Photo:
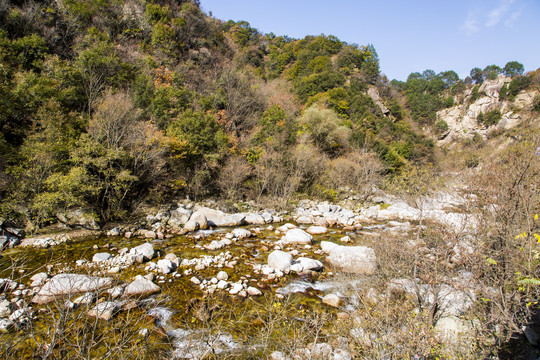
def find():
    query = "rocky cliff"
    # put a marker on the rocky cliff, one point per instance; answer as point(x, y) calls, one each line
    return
point(463, 118)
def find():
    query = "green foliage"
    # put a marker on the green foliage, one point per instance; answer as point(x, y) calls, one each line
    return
point(513, 68)
point(477, 75)
point(491, 72)
point(518, 84)
point(201, 133)
point(441, 126)
point(167, 103)
point(492, 117)
point(325, 129)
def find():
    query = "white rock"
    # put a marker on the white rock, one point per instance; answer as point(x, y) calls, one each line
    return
point(165, 266)
point(327, 246)
point(99, 257)
point(310, 264)
point(253, 291)
point(222, 275)
point(69, 284)
point(140, 287)
point(278, 259)
point(332, 300)
point(353, 259)
point(195, 280)
point(317, 230)
point(297, 236)
point(146, 250)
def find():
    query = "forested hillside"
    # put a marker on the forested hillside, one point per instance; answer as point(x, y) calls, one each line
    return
point(105, 105)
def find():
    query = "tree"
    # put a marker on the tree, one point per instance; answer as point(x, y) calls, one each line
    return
point(492, 71)
point(477, 75)
point(513, 68)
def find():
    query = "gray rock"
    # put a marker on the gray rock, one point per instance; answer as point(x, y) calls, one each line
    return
point(39, 279)
point(165, 266)
point(84, 299)
point(99, 257)
point(278, 355)
point(310, 264)
point(5, 308)
point(219, 218)
point(69, 284)
point(327, 246)
point(340, 354)
point(6, 325)
point(179, 217)
point(255, 219)
point(79, 218)
point(353, 259)
point(317, 230)
point(146, 250)
point(140, 287)
point(253, 291)
point(297, 236)
point(278, 259)
point(197, 220)
point(104, 310)
point(241, 233)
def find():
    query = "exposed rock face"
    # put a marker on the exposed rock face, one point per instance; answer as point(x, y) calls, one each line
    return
point(353, 259)
point(140, 287)
point(256, 219)
point(297, 236)
point(462, 118)
point(68, 284)
point(219, 218)
point(374, 95)
point(279, 260)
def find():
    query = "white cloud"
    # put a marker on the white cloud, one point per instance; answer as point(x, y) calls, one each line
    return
point(512, 19)
point(497, 14)
point(470, 25)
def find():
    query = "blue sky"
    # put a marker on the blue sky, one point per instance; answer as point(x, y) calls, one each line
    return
point(409, 35)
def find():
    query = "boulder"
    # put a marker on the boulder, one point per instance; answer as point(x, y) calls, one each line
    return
point(281, 260)
point(310, 264)
point(69, 284)
point(165, 266)
point(145, 250)
point(286, 227)
point(198, 220)
point(140, 287)
point(304, 219)
point(104, 310)
point(241, 233)
point(99, 257)
point(219, 218)
point(317, 230)
point(5, 308)
point(327, 246)
point(297, 236)
point(39, 279)
point(179, 217)
point(78, 218)
point(353, 259)
point(255, 219)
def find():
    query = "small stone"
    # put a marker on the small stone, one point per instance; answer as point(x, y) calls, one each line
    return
point(99, 257)
point(253, 291)
point(222, 275)
point(332, 300)
point(195, 280)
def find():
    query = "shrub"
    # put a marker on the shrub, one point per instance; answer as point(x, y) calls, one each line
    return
point(492, 117)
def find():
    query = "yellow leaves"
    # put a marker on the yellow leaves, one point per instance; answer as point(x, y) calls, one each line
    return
point(535, 216)
point(491, 261)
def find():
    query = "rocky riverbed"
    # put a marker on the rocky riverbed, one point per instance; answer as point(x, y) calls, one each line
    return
point(208, 281)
